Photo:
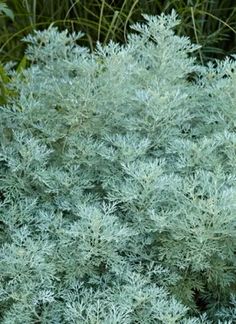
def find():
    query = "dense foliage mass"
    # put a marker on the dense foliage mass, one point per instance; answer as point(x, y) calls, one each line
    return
point(117, 181)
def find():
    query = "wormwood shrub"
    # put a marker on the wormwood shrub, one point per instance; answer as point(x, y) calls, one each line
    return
point(118, 183)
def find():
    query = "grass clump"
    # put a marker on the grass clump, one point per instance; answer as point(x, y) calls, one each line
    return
point(209, 23)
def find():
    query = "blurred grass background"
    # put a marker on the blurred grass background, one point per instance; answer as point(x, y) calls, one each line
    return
point(211, 23)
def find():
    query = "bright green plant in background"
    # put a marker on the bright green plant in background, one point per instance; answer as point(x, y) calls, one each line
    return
point(4, 79)
point(209, 23)
point(117, 181)
point(5, 93)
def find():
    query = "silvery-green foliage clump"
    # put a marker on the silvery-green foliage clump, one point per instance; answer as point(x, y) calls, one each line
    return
point(117, 181)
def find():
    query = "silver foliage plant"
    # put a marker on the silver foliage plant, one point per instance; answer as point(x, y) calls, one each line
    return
point(117, 182)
